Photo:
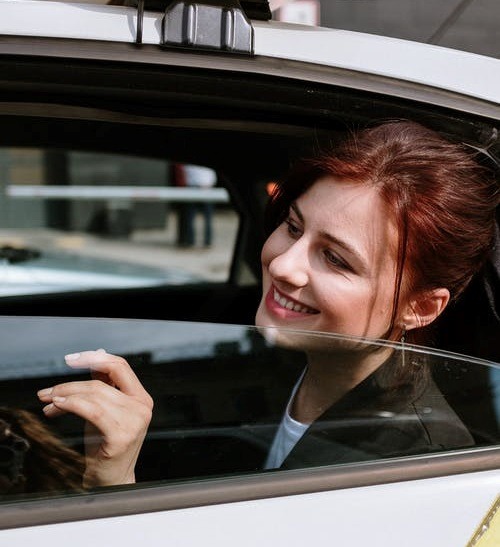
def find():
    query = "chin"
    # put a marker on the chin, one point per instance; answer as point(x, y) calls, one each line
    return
point(262, 318)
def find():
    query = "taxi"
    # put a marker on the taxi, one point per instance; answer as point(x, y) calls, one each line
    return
point(99, 106)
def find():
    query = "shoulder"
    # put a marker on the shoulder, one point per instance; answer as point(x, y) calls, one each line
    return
point(383, 427)
point(440, 422)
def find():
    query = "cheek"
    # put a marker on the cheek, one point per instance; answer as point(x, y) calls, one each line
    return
point(379, 303)
point(351, 299)
point(336, 296)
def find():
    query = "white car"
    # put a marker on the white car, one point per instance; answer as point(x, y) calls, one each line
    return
point(98, 104)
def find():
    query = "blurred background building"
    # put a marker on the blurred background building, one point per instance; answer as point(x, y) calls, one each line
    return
point(469, 25)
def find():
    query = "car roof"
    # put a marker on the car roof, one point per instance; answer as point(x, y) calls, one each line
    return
point(461, 72)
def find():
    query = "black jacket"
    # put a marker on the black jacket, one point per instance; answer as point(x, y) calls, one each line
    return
point(370, 423)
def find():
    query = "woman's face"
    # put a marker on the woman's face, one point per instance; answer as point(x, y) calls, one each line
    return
point(331, 265)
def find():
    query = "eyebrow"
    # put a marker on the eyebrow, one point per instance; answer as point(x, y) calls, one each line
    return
point(351, 250)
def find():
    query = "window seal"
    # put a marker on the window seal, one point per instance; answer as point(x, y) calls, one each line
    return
point(64, 48)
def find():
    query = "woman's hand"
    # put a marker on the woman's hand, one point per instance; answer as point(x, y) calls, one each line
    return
point(117, 410)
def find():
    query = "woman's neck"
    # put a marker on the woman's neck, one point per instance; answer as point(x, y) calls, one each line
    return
point(328, 378)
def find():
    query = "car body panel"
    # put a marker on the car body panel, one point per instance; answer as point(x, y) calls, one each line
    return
point(448, 510)
point(393, 58)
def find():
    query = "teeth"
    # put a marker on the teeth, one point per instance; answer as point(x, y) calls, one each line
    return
point(288, 304)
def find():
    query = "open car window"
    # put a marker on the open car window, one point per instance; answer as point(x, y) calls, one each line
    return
point(78, 221)
point(220, 394)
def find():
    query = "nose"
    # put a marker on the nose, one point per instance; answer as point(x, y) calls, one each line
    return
point(290, 266)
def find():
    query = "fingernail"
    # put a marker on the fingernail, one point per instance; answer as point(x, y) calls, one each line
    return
point(48, 409)
point(44, 392)
point(72, 356)
point(58, 399)
point(101, 350)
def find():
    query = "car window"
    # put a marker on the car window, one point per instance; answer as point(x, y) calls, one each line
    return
point(220, 394)
point(78, 220)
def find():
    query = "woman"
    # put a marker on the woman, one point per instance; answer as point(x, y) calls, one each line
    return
point(372, 239)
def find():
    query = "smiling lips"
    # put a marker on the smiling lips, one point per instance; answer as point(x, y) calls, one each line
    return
point(290, 304)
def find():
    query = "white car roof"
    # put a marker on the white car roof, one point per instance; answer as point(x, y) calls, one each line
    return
point(462, 72)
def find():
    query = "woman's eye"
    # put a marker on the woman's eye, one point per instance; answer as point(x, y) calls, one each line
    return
point(292, 228)
point(335, 260)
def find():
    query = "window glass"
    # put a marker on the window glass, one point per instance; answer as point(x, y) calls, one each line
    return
point(220, 395)
point(74, 220)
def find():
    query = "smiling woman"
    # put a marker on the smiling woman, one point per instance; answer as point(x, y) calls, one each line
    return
point(330, 266)
point(402, 202)
point(371, 239)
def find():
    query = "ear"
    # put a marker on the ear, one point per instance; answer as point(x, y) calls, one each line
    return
point(424, 308)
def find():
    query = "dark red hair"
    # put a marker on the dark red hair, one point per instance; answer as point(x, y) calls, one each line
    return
point(442, 201)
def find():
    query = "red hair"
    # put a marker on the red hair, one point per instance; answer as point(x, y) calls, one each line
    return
point(442, 201)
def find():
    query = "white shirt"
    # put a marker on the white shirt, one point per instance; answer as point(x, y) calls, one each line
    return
point(288, 435)
point(202, 177)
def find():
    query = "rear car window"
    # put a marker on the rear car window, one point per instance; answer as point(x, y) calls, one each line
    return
point(77, 220)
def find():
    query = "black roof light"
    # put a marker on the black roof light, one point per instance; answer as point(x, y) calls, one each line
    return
point(221, 25)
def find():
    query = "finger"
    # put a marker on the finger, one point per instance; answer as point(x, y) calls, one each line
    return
point(89, 387)
point(84, 359)
point(117, 370)
point(96, 375)
point(86, 408)
point(45, 395)
point(108, 419)
point(103, 377)
point(52, 411)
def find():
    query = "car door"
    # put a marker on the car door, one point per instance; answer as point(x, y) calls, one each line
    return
point(219, 394)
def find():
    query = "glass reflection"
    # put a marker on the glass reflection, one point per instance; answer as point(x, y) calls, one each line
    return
point(220, 395)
